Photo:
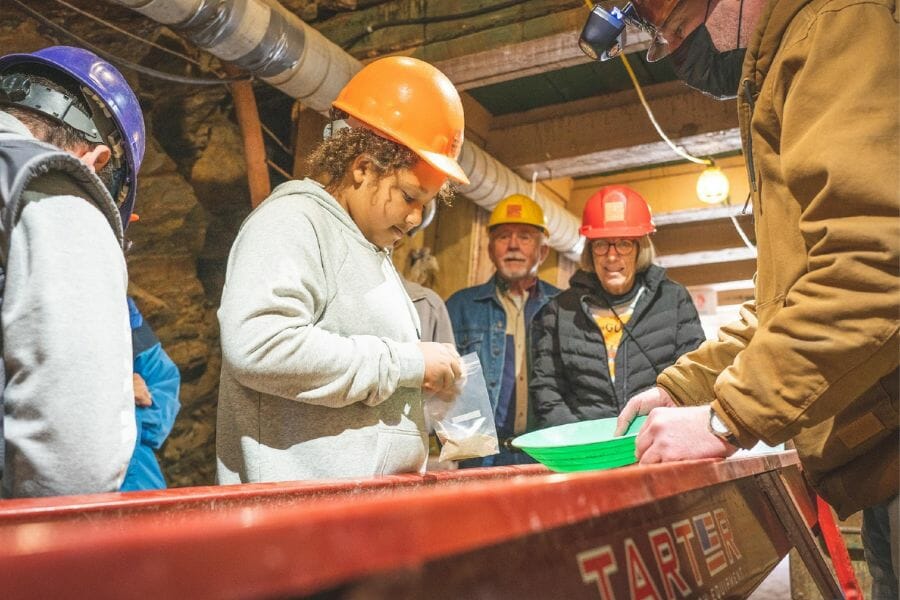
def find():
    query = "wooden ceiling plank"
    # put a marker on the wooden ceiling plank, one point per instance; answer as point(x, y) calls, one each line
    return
point(634, 157)
point(611, 133)
point(701, 275)
point(697, 237)
point(530, 47)
point(535, 46)
point(693, 215)
point(691, 259)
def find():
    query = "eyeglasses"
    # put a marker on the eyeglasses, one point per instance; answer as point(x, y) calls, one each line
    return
point(623, 247)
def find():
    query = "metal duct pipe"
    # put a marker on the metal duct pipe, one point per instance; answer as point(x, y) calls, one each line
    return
point(490, 182)
point(265, 39)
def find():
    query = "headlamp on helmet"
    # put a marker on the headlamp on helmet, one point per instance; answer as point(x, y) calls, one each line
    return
point(601, 37)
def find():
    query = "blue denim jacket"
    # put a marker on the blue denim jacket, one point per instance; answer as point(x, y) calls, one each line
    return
point(479, 325)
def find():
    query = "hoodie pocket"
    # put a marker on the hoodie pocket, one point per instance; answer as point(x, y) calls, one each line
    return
point(400, 451)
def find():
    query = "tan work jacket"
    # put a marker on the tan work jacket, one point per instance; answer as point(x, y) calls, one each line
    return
point(814, 358)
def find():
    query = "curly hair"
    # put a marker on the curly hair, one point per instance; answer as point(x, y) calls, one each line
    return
point(333, 157)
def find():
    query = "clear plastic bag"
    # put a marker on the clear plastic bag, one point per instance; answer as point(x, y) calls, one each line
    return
point(465, 425)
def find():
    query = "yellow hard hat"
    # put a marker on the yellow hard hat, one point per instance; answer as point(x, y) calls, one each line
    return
point(518, 209)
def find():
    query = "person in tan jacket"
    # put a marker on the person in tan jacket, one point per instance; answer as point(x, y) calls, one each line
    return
point(814, 358)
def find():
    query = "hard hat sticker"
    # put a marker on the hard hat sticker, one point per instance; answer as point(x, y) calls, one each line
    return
point(614, 211)
point(514, 211)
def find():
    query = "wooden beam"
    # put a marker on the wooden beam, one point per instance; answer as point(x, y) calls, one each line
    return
point(446, 29)
point(513, 61)
point(695, 215)
point(535, 36)
point(612, 132)
point(713, 273)
point(306, 137)
point(551, 43)
point(515, 50)
point(633, 157)
point(700, 236)
point(701, 229)
point(728, 255)
point(478, 120)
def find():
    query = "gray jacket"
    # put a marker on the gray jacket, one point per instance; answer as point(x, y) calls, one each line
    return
point(432, 311)
point(68, 402)
point(321, 372)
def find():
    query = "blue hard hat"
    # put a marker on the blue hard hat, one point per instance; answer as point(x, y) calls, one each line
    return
point(111, 89)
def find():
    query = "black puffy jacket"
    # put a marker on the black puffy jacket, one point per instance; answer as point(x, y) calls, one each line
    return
point(570, 378)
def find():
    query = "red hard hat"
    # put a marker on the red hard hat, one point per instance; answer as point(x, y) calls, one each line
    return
point(616, 211)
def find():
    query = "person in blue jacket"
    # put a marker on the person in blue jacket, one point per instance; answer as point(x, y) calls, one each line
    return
point(493, 319)
point(156, 386)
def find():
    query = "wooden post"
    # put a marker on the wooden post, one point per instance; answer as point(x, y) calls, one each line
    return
point(251, 132)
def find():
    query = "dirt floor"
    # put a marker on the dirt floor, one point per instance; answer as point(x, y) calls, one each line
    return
point(777, 585)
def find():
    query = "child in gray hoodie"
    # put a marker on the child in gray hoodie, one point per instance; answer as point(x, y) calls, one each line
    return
point(322, 367)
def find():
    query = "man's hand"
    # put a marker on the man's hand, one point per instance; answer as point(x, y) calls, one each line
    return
point(679, 433)
point(642, 404)
point(142, 395)
point(442, 369)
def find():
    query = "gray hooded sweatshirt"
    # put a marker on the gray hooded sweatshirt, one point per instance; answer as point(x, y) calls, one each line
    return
point(321, 372)
point(68, 401)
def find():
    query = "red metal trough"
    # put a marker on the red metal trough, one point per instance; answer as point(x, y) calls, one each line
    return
point(695, 529)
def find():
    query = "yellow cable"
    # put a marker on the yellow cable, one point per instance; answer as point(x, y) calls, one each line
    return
point(662, 134)
point(640, 92)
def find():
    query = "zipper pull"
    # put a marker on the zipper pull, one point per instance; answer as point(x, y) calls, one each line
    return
point(746, 203)
point(751, 169)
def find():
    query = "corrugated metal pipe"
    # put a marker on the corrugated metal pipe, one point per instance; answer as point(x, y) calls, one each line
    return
point(265, 39)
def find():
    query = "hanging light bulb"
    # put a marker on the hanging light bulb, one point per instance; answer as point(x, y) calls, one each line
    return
point(712, 185)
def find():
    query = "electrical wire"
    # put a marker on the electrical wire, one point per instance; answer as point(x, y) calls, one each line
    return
point(640, 93)
point(682, 153)
point(275, 139)
point(370, 29)
point(279, 169)
point(741, 233)
point(700, 161)
point(121, 61)
point(127, 33)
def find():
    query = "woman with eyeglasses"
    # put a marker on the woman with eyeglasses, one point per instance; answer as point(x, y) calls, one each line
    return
point(620, 323)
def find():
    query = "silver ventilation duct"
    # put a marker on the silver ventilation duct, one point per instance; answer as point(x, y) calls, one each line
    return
point(265, 39)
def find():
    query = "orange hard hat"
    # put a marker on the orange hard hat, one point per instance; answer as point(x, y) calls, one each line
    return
point(616, 211)
point(410, 102)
